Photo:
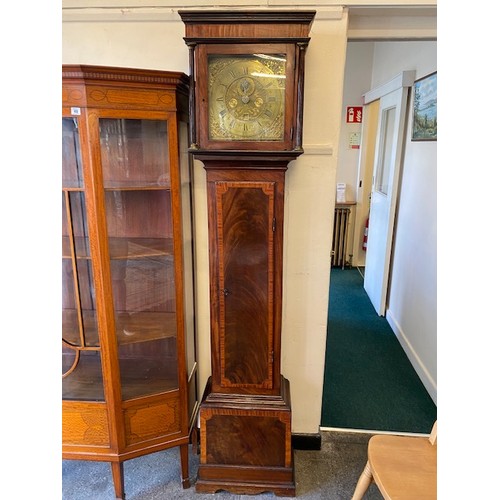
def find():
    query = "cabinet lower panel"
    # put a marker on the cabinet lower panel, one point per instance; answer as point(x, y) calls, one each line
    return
point(145, 421)
point(246, 444)
point(85, 424)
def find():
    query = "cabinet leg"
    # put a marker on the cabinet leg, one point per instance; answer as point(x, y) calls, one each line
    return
point(117, 471)
point(184, 451)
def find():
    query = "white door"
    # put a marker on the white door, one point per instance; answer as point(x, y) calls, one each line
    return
point(384, 195)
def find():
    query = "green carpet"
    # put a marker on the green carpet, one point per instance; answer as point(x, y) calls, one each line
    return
point(369, 382)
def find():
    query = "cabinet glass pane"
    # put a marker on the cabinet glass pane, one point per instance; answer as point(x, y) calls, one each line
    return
point(81, 366)
point(187, 242)
point(134, 152)
point(71, 158)
point(139, 222)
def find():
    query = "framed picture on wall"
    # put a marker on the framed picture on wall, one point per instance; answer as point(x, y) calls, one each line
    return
point(424, 126)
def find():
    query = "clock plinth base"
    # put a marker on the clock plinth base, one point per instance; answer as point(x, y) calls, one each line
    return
point(246, 443)
point(238, 486)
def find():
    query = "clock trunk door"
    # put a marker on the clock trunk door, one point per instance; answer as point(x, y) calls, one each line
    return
point(245, 214)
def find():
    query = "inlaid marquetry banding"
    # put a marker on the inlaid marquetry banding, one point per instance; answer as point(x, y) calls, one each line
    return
point(89, 75)
point(138, 421)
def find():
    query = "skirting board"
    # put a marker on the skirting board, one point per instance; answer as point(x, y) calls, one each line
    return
point(306, 441)
point(417, 364)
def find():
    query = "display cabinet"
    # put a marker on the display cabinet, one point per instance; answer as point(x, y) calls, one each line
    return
point(128, 336)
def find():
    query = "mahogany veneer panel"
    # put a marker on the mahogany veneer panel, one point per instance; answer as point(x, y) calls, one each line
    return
point(246, 443)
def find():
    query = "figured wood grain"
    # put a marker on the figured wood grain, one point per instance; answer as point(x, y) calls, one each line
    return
point(245, 438)
point(84, 424)
point(245, 235)
point(246, 282)
point(247, 24)
point(246, 443)
point(147, 421)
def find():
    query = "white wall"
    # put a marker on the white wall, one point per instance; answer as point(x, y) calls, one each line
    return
point(139, 38)
point(154, 39)
point(309, 204)
point(412, 310)
point(357, 80)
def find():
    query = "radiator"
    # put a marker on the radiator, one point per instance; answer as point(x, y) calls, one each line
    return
point(340, 237)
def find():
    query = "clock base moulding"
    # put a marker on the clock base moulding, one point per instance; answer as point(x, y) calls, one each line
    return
point(246, 443)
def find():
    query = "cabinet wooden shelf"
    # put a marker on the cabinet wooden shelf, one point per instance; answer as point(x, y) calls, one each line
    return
point(130, 327)
point(133, 186)
point(86, 382)
point(122, 248)
point(128, 357)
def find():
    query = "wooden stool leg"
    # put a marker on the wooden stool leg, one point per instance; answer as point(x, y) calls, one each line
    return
point(117, 471)
point(364, 482)
point(184, 451)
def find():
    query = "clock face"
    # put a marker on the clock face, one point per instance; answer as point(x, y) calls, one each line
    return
point(246, 97)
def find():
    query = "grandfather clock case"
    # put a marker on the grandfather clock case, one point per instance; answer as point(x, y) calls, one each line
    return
point(246, 104)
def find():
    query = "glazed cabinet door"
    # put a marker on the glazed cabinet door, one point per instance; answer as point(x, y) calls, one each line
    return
point(134, 175)
point(135, 163)
point(81, 356)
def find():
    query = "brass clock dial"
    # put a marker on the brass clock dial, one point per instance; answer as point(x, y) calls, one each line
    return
point(246, 97)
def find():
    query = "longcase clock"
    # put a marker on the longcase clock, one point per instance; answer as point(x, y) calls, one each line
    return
point(246, 103)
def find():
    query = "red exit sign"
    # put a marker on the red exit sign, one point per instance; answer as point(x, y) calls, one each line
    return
point(354, 114)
